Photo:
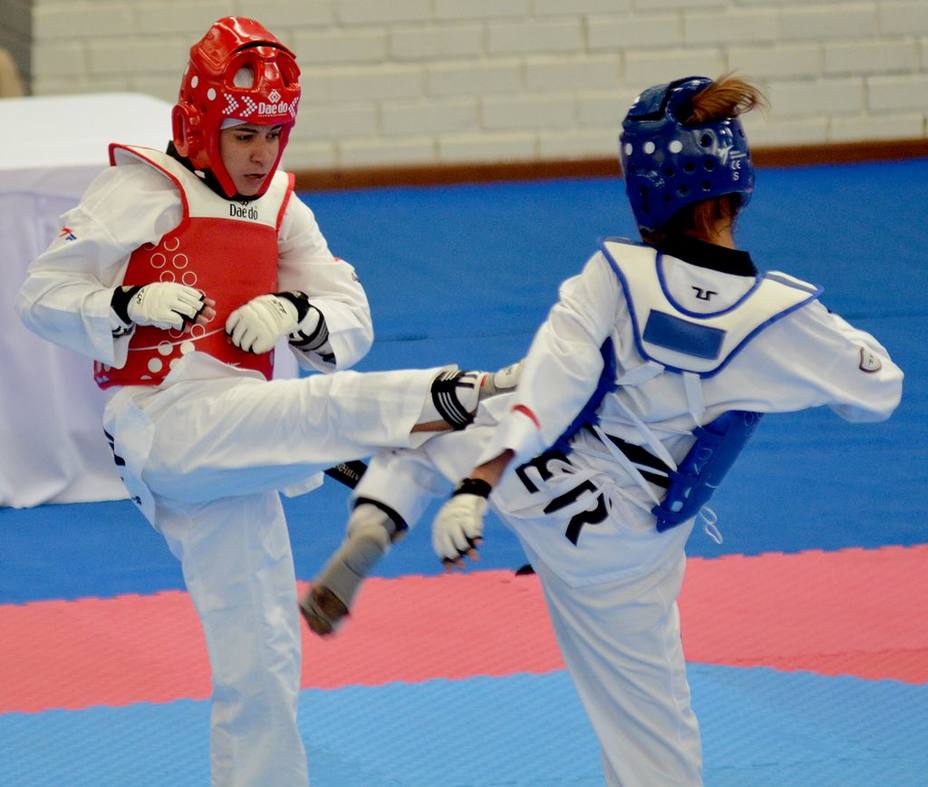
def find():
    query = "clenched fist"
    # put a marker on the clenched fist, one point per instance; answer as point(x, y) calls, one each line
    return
point(457, 530)
point(256, 326)
point(164, 305)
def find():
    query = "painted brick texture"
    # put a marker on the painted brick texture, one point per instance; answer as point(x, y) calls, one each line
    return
point(433, 81)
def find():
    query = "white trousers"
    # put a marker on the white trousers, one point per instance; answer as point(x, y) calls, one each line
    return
point(238, 569)
point(621, 644)
point(204, 456)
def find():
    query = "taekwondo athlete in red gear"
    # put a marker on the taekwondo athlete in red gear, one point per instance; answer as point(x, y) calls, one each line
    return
point(637, 393)
point(180, 273)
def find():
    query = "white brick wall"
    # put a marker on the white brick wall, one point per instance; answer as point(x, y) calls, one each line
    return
point(904, 18)
point(436, 42)
point(615, 33)
point(357, 45)
point(888, 94)
point(440, 116)
point(528, 112)
point(819, 97)
point(474, 78)
point(431, 81)
point(829, 21)
point(871, 57)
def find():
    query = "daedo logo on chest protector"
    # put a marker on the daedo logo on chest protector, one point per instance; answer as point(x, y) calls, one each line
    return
point(243, 211)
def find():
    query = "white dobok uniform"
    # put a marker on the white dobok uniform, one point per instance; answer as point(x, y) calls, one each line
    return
point(204, 453)
point(611, 580)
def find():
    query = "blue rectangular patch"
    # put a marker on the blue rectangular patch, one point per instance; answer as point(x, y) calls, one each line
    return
point(682, 336)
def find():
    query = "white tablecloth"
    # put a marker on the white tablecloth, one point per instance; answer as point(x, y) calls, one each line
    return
point(52, 448)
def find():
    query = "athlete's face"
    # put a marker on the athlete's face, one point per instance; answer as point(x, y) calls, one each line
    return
point(248, 153)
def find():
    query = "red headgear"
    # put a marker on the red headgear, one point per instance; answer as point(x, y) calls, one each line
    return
point(209, 95)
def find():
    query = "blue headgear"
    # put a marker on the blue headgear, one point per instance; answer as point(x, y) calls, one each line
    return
point(668, 165)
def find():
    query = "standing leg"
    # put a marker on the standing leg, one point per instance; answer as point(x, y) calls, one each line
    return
point(621, 644)
point(238, 568)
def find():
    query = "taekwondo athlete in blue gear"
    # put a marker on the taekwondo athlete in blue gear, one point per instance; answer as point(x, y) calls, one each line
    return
point(704, 344)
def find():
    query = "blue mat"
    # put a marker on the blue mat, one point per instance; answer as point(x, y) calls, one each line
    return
point(760, 728)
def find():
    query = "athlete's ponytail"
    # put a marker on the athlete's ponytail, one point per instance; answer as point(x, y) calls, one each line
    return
point(727, 97)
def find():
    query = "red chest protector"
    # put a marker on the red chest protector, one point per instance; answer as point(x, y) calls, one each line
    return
point(226, 249)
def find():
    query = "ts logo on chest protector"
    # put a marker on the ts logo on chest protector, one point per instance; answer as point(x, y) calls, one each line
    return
point(704, 295)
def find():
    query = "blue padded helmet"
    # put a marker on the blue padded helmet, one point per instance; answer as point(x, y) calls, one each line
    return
point(669, 165)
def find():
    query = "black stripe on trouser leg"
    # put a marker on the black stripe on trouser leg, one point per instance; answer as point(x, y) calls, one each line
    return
point(120, 462)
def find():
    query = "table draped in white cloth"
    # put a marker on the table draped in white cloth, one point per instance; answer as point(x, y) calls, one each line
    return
point(52, 447)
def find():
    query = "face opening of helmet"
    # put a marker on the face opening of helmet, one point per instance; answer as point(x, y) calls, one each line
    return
point(248, 151)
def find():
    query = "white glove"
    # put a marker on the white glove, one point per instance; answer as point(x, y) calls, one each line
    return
point(165, 305)
point(457, 530)
point(256, 326)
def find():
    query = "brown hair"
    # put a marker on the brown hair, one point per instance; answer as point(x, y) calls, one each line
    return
point(727, 97)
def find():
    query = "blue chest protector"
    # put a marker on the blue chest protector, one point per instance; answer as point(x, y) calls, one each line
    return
point(695, 480)
point(699, 344)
